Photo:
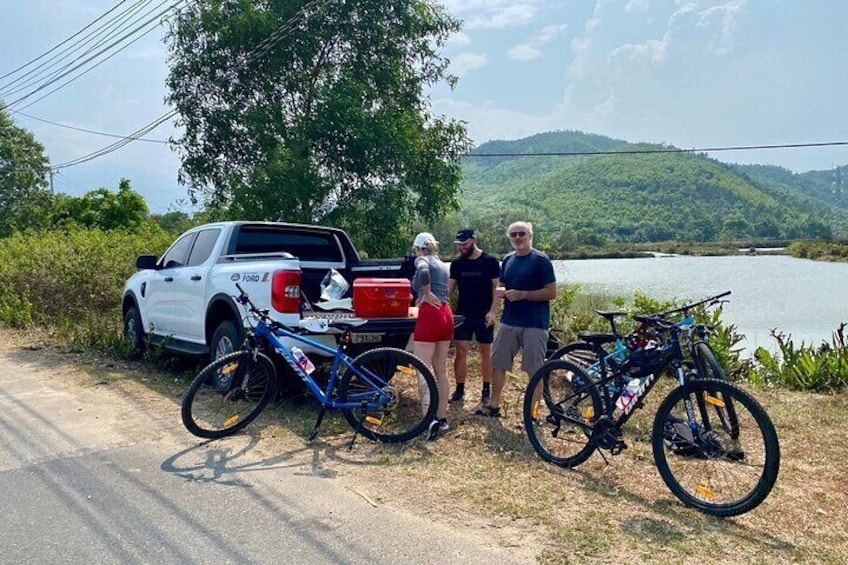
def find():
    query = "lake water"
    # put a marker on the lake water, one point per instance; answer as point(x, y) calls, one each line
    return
point(807, 299)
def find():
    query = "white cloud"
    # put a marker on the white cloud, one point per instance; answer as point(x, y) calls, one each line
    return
point(530, 49)
point(524, 52)
point(487, 121)
point(459, 39)
point(466, 62)
point(503, 17)
point(722, 21)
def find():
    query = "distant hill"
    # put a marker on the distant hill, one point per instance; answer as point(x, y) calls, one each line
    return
point(829, 187)
point(645, 197)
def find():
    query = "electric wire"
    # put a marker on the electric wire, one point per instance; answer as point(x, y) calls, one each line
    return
point(253, 56)
point(32, 76)
point(35, 60)
point(126, 39)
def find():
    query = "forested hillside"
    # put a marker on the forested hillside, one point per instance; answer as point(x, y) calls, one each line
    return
point(828, 187)
point(633, 197)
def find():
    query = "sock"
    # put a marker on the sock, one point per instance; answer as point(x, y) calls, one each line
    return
point(460, 387)
point(486, 387)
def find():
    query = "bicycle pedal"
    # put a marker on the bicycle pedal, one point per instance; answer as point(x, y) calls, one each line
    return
point(618, 447)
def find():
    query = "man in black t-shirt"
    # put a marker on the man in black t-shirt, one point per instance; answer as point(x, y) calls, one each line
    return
point(475, 276)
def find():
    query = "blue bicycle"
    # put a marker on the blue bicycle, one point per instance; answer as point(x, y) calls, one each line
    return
point(385, 394)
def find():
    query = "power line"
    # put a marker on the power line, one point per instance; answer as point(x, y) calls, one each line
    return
point(35, 60)
point(252, 56)
point(663, 150)
point(165, 141)
point(32, 76)
point(139, 31)
point(118, 144)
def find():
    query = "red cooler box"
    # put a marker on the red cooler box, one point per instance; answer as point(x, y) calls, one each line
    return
point(381, 298)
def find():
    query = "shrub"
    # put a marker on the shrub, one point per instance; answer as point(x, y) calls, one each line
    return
point(71, 278)
point(805, 367)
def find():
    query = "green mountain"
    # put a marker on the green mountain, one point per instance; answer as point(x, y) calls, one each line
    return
point(629, 195)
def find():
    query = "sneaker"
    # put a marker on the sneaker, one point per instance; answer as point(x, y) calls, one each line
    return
point(433, 430)
point(484, 398)
point(457, 396)
point(443, 425)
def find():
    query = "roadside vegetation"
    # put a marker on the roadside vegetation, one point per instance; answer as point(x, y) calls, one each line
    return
point(69, 281)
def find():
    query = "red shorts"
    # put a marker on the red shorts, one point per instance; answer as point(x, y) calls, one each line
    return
point(434, 324)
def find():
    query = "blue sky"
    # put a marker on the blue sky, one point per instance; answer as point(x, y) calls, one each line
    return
point(687, 73)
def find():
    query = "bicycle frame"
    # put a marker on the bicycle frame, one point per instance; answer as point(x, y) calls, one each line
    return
point(673, 350)
point(374, 398)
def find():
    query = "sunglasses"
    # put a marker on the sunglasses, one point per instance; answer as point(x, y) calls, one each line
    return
point(514, 234)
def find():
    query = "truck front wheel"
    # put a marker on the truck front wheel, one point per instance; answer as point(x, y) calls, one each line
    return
point(226, 339)
point(133, 332)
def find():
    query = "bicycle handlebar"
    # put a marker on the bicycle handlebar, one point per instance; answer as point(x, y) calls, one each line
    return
point(712, 300)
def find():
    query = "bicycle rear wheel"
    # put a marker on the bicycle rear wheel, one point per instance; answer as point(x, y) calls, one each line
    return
point(707, 367)
point(581, 353)
point(397, 392)
point(701, 463)
point(560, 405)
point(228, 394)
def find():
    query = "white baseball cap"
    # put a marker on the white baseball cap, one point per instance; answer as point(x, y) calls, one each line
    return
point(422, 238)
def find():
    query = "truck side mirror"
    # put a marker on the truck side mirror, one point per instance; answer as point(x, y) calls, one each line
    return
point(146, 262)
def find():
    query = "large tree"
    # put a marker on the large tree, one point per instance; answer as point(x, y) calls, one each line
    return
point(317, 111)
point(24, 192)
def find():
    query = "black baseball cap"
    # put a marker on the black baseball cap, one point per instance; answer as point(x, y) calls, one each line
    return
point(464, 235)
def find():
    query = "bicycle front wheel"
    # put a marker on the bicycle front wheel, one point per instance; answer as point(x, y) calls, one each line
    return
point(707, 367)
point(397, 394)
point(228, 394)
point(561, 405)
point(702, 464)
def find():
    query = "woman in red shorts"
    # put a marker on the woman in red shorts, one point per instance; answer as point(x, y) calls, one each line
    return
point(434, 328)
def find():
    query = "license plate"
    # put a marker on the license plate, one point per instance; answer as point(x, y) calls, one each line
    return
point(366, 338)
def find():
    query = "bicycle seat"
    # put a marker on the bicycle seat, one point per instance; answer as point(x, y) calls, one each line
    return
point(596, 338)
point(610, 314)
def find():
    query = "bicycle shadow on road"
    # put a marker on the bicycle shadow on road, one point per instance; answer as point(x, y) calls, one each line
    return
point(225, 460)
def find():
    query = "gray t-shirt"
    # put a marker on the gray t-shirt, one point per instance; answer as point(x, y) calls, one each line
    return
point(429, 268)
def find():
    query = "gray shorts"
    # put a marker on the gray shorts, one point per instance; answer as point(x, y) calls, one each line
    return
point(509, 340)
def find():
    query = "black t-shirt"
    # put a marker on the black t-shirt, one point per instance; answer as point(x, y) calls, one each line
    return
point(474, 283)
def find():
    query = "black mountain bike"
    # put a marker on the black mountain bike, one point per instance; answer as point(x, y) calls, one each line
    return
point(720, 466)
point(694, 337)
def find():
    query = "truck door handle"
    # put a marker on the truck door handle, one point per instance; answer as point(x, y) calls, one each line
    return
point(195, 277)
point(169, 279)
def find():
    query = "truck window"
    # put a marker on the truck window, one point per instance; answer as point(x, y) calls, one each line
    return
point(177, 255)
point(302, 244)
point(203, 247)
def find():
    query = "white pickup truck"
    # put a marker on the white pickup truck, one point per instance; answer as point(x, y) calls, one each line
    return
point(183, 301)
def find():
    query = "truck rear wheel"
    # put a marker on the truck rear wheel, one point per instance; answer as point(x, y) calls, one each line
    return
point(226, 339)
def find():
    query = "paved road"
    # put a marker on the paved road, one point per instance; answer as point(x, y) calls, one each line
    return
point(104, 473)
